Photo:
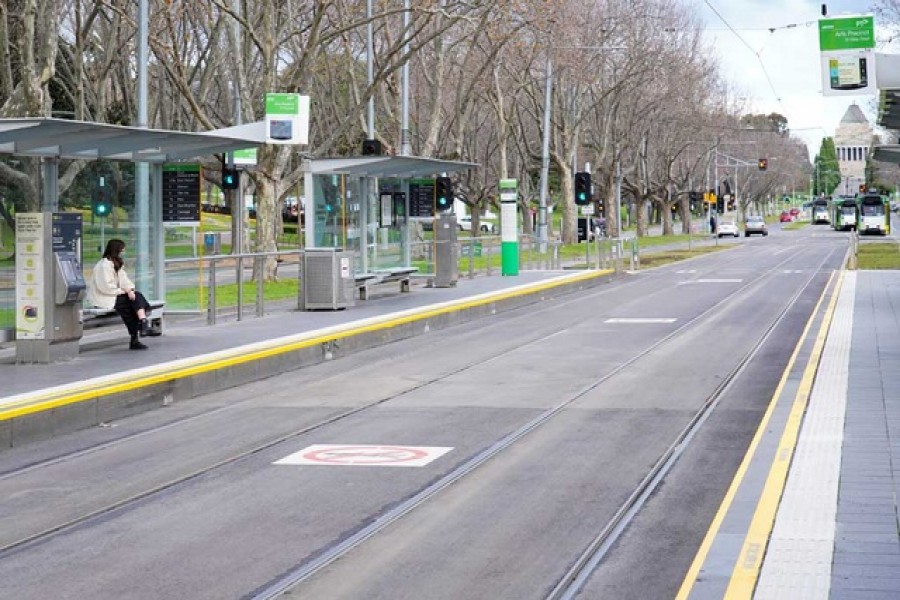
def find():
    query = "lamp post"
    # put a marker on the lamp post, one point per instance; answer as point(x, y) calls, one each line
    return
point(545, 145)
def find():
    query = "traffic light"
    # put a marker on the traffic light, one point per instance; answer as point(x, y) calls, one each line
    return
point(371, 148)
point(100, 205)
point(862, 188)
point(443, 197)
point(231, 178)
point(582, 189)
point(763, 164)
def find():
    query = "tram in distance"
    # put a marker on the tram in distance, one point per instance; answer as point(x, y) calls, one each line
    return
point(844, 213)
point(819, 211)
point(873, 214)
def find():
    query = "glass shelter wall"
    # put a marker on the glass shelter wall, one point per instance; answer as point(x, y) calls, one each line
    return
point(348, 213)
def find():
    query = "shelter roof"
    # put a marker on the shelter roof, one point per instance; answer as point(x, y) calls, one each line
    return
point(386, 166)
point(62, 138)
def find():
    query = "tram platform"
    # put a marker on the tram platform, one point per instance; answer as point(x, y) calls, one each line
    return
point(107, 381)
point(813, 510)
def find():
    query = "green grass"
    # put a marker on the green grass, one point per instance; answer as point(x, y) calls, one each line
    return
point(795, 225)
point(664, 257)
point(226, 295)
point(878, 256)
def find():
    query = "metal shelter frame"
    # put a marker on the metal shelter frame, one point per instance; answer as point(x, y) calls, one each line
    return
point(54, 139)
point(371, 169)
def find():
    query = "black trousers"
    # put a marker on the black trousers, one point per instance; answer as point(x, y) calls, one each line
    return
point(128, 308)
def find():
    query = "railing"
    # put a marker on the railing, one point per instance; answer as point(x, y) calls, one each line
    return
point(475, 256)
point(214, 266)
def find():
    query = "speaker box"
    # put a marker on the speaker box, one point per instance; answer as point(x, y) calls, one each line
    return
point(371, 148)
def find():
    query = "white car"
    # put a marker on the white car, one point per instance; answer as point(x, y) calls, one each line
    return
point(465, 224)
point(727, 228)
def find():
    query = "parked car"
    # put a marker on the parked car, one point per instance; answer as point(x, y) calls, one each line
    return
point(795, 212)
point(785, 217)
point(727, 228)
point(465, 224)
point(755, 224)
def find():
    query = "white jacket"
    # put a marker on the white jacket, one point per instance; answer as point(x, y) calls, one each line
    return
point(106, 284)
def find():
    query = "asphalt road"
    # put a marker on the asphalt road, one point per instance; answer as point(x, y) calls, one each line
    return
point(549, 416)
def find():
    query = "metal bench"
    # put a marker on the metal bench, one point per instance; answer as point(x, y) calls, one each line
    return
point(400, 274)
point(100, 315)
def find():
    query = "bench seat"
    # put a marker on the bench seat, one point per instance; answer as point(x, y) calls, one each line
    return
point(96, 313)
point(399, 274)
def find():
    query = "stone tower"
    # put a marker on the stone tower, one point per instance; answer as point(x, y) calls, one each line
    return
point(852, 142)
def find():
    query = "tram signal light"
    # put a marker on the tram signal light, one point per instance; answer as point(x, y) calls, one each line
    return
point(582, 189)
point(231, 178)
point(100, 205)
point(443, 197)
point(763, 164)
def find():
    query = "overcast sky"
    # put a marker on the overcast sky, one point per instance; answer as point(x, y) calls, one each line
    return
point(782, 36)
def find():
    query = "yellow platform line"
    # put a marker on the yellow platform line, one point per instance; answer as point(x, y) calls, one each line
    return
point(34, 402)
point(746, 569)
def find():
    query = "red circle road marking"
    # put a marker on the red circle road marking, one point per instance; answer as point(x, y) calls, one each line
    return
point(365, 455)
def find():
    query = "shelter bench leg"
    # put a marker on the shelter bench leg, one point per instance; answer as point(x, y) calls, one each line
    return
point(404, 285)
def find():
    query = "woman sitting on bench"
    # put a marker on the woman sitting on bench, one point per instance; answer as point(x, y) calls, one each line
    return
point(110, 288)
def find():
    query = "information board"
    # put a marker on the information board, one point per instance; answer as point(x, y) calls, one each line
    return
point(421, 198)
point(181, 194)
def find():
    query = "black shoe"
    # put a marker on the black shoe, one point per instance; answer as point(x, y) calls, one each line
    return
point(137, 345)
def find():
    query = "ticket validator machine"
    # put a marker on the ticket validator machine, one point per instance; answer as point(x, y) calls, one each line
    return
point(49, 286)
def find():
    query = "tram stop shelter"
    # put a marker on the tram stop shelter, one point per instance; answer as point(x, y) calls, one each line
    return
point(53, 140)
point(366, 205)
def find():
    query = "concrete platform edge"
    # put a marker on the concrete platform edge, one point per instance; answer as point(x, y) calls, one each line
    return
point(54, 411)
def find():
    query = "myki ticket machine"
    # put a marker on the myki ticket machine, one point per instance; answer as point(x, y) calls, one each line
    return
point(49, 286)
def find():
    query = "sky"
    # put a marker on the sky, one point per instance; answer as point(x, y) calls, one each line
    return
point(771, 59)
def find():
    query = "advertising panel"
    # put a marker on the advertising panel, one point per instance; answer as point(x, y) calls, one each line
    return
point(847, 55)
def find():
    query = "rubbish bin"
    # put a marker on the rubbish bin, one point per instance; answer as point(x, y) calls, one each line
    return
point(212, 243)
point(327, 282)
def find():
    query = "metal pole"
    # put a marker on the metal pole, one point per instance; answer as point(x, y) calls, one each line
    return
point(237, 196)
point(618, 194)
point(545, 162)
point(404, 118)
point(370, 73)
point(141, 171)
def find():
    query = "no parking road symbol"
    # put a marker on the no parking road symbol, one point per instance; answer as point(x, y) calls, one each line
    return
point(363, 455)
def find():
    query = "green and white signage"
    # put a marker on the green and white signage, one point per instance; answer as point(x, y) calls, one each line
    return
point(509, 228)
point(847, 55)
point(245, 157)
point(847, 33)
point(287, 118)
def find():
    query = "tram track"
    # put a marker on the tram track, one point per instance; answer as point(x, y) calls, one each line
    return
point(587, 561)
point(27, 468)
point(385, 519)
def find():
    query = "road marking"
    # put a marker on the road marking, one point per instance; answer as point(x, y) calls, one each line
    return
point(683, 271)
point(364, 455)
point(711, 281)
point(791, 271)
point(629, 321)
point(693, 572)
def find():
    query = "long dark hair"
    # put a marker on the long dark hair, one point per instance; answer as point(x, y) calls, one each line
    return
point(113, 252)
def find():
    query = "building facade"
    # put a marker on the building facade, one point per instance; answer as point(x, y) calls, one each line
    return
point(853, 142)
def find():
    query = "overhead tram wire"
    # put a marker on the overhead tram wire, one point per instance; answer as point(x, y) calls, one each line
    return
point(749, 47)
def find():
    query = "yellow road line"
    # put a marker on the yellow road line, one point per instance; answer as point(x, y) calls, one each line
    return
point(752, 551)
point(71, 394)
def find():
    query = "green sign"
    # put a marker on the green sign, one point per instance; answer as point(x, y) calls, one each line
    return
point(847, 33)
point(283, 104)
